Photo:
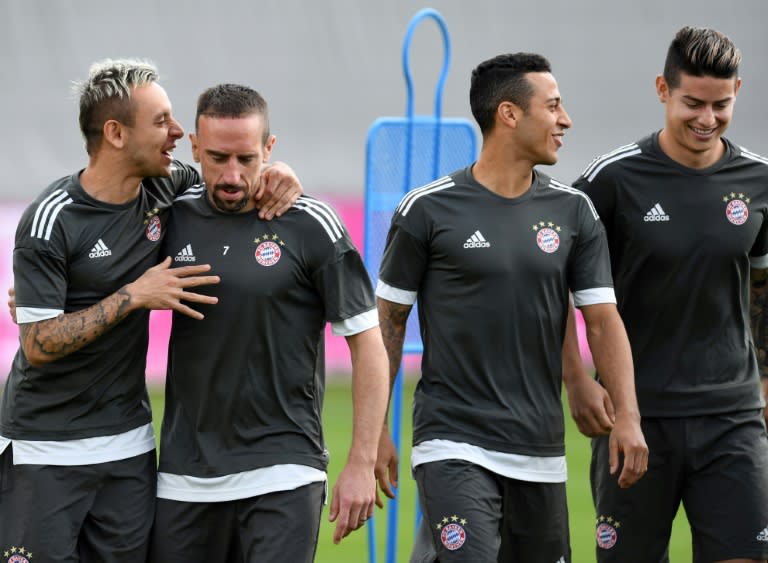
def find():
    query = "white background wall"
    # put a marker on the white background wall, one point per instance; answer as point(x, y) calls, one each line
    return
point(329, 68)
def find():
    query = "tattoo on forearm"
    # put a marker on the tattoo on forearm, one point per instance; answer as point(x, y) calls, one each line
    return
point(55, 338)
point(758, 312)
point(392, 321)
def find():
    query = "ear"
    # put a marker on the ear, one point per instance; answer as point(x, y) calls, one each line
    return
point(268, 148)
point(114, 133)
point(738, 85)
point(662, 89)
point(508, 114)
point(195, 147)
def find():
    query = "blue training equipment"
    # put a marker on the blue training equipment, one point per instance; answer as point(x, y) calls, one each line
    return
point(403, 153)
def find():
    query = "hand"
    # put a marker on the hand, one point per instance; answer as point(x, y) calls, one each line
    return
point(278, 190)
point(163, 287)
point(591, 406)
point(12, 302)
point(627, 440)
point(386, 462)
point(352, 499)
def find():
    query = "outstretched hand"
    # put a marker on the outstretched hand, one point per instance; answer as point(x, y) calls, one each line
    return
point(163, 287)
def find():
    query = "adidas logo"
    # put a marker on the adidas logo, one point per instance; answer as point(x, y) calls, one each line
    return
point(185, 255)
point(656, 214)
point(763, 536)
point(99, 250)
point(477, 240)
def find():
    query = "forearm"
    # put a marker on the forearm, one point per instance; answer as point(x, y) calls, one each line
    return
point(758, 311)
point(52, 339)
point(613, 359)
point(369, 395)
point(392, 322)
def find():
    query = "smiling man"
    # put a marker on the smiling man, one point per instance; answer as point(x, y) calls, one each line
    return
point(490, 252)
point(685, 212)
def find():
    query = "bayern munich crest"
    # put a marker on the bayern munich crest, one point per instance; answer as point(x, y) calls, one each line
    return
point(268, 253)
point(453, 533)
point(153, 229)
point(16, 555)
point(606, 533)
point(547, 236)
point(736, 209)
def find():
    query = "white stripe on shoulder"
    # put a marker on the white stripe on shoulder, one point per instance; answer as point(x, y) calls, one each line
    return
point(46, 212)
point(408, 200)
point(753, 155)
point(193, 192)
point(601, 162)
point(554, 184)
point(324, 214)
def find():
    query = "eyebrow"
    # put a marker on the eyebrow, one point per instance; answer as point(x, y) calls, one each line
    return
point(700, 101)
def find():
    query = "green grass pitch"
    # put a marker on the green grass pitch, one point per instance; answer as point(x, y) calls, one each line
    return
point(354, 549)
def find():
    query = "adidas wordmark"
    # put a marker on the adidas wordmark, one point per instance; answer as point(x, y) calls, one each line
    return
point(656, 214)
point(477, 240)
point(99, 250)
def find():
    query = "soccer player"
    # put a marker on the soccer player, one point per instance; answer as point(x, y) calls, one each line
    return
point(490, 253)
point(685, 214)
point(75, 420)
point(242, 473)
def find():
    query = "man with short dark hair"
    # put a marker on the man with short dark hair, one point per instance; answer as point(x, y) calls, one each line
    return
point(685, 214)
point(490, 253)
point(243, 462)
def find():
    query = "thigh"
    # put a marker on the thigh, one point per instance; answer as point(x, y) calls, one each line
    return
point(49, 505)
point(7, 533)
point(282, 526)
point(117, 527)
point(535, 523)
point(462, 509)
point(634, 525)
point(726, 493)
point(194, 532)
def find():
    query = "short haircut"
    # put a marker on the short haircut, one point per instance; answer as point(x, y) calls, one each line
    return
point(106, 94)
point(503, 79)
point(232, 100)
point(701, 51)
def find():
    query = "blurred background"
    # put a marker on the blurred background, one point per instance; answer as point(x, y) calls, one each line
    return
point(330, 68)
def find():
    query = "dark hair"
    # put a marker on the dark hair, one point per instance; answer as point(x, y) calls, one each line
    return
point(701, 51)
point(503, 79)
point(106, 94)
point(232, 100)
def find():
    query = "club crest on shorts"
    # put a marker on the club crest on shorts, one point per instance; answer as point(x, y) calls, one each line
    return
point(736, 208)
point(154, 228)
point(15, 554)
point(453, 532)
point(268, 251)
point(547, 236)
point(607, 533)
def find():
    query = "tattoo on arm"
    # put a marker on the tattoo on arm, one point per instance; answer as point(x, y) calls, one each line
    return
point(56, 338)
point(392, 319)
point(758, 312)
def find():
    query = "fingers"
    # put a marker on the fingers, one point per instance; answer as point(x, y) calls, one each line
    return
point(279, 188)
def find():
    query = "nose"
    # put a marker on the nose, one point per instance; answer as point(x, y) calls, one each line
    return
point(231, 173)
point(707, 116)
point(176, 130)
point(565, 119)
